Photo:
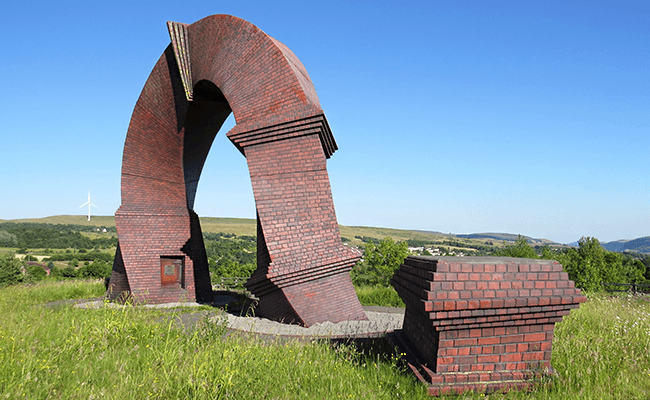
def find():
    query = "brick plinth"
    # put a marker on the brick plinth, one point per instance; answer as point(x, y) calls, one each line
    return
point(218, 65)
point(482, 323)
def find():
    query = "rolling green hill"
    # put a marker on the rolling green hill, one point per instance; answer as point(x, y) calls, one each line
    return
point(69, 220)
point(639, 245)
point(508, 237)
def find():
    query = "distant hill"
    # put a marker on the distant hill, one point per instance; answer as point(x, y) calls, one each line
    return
point(95, 220)
point(508, 237)
point(618, 245)
point(639, 245)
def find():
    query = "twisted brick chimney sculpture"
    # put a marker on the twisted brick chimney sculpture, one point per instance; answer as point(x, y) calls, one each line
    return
point(215, 66)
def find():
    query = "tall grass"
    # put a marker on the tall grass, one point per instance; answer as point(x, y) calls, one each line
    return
point(132, 352)
point(603, 349)
point(600, 351)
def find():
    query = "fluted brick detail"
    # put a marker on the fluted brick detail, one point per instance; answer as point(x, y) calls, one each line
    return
point(179, 38)
point(482, 323)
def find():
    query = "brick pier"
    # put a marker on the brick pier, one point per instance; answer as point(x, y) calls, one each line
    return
point(481, 323)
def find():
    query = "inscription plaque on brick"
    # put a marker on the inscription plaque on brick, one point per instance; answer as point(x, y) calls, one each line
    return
point(171, 270)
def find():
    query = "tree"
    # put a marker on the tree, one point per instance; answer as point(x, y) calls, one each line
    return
point(229, 268)
point(34, 273)
point(380, 261)
point(548, 253)
point(521, 249)
point(97, 269)
point(68, 272)
point(586, 265)
point(10, 272)
point(56, 272)
point(635, 271)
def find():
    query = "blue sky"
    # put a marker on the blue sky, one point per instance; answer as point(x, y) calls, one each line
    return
point(453, 116)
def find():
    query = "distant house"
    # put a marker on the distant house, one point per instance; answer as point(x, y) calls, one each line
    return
point(45, 267)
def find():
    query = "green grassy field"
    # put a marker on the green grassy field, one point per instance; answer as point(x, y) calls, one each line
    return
point(601, 351)
point(131, 352)
point(238, 226)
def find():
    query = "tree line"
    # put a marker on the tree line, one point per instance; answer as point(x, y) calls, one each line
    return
point(25, 235)
point(14, 270)
point(228, 255)
point(589, 265)
point(479, 249)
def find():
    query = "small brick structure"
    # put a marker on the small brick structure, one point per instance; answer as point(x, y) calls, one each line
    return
point(215, 66)
point(481, 323)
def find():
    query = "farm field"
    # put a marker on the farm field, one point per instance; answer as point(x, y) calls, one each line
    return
point(600, 351)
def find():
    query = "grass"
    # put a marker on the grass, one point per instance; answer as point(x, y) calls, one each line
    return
point(600, 351)
point(132, 352)
point(238, 226)
point(378, 296)
point(603, 349)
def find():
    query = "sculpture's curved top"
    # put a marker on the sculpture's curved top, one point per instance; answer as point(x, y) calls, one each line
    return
point(262, 82)
point(246, 64)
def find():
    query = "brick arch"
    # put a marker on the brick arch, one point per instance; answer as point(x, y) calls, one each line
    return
point(218, 65)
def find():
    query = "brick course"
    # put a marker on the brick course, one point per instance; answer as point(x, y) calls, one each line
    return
point(482, 323)
point(214, 66)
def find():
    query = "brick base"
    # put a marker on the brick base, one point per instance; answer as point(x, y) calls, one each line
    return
point(330, 298)
point(146, 235)
point(454, 383)
point(481, 323)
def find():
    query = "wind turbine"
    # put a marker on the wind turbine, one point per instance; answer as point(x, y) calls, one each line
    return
point(90, 203)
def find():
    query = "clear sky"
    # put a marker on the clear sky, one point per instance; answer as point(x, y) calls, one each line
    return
point(529, 117)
